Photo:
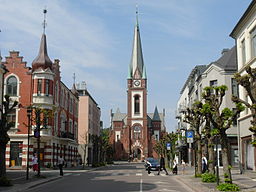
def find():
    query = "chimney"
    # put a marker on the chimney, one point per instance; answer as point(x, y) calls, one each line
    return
point(224, 51)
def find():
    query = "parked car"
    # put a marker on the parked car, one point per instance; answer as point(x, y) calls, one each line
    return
point(152, 163)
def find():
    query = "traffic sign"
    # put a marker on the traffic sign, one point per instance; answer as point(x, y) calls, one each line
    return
point(168, 146)
point(190, 134)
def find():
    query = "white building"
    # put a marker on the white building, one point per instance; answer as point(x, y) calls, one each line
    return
point(244, 34)
point(216, 73)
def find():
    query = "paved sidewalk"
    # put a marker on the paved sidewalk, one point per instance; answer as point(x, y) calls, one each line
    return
point(20, 183)
point(246, 181)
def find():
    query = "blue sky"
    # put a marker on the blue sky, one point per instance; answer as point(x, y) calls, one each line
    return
point(93, 38)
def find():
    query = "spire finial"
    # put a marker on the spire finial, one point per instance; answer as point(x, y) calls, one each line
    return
point(44, 23)
point(137, 13)
point(74, 78)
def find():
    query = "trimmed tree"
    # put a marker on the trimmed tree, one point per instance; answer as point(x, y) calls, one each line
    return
point(248, 81)
point(221, 120)
point(5, 126)
point(195, 118)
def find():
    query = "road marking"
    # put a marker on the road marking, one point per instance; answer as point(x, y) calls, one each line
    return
point(77, 174)
point(140, 185)
point(138, 174)
point(254, 179)
point(67, 174)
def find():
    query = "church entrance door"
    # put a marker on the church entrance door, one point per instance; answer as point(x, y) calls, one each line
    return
point(137, 153)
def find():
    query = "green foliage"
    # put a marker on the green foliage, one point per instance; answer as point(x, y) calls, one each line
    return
point(208, 178)
point(198, 175)
point(253, 143)
point(225, 175)
point(215, 132)
point(210, 161)
point(100, 164)
point(228, 187)
point(230, 167)
point(226, 113)
point(4, 181)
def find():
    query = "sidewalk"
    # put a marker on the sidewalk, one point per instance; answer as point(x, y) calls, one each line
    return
point(20, 183)
point(246, 181)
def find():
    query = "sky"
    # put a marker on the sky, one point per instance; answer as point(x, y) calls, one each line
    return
point(93, 39)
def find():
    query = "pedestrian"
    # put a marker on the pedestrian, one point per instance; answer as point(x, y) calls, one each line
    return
point(162, 165)
point(175, 167)
point(88, 162)
point(35, 162)
point(183, 166)
point(61, 162)
point(204, 164)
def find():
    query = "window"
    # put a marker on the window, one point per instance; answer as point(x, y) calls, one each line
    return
point(235, 119)
point(47, 86)
point(39, 86)
point(11, 86)
point(213, 83)
point(11, 117)
point(243, 52)
point(136, 104)
point(137, 132)
point(234, 87)
point(253, 42)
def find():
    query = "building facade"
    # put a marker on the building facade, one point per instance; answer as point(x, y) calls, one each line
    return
point(216, 73)
point(134, 133)
point(244, 34)
point(40, 86)
point(88, 125)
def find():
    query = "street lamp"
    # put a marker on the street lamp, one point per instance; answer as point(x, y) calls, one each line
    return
point(217, 160)
point(29, 112)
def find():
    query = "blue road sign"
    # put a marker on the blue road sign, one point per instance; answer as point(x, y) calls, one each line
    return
point(168, 146)
point(190, 134)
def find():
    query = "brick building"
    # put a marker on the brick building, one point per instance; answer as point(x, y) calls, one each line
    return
point(134, 133)
point(40, 86)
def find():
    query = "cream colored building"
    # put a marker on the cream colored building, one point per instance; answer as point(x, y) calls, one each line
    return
point(244, 34)
point(88, 124)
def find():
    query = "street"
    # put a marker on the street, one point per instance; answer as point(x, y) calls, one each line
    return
point(123, 177)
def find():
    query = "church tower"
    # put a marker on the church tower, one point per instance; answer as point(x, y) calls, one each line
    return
point(137, 100)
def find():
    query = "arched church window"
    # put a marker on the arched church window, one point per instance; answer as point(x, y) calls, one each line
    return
point(137, 104)
point(137, 132)
point(11, 86)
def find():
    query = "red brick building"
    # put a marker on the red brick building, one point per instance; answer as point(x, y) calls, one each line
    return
point(40, 86)
point(134, 133)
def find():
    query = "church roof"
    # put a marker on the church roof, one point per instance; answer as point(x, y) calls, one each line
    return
point(42, 60)
point(137, 62)
point(118, 116)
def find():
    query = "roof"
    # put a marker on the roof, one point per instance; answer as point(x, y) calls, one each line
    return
point(137, 62)
point(42, 60)
point(228, 60)
point(118, 116)
point(241, 20)
point(199, 69)
point(156, 116)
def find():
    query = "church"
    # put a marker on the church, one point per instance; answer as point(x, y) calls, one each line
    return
point(133, 134)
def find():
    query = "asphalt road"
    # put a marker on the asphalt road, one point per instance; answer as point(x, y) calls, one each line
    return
point(117, 178)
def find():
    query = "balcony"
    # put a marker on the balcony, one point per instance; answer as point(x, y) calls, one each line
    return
point(68, 135)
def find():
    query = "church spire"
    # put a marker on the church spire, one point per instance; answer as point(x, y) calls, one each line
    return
point(137, 64)
point(42, 60)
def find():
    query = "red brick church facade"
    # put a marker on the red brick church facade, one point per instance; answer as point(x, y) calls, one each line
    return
point(133, 134)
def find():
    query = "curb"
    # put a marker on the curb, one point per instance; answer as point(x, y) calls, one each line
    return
point(22, 187)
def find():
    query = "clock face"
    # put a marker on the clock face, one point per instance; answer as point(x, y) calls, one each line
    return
point(136, 83)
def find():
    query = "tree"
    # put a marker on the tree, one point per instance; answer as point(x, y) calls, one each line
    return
point(248, 81)
point(221, 120)
point(105, 147)
point(5, 126)
point(195, 118)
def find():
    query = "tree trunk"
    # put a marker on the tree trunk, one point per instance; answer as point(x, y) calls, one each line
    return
point(211, 156)
point(199, 156)
point(225, 159)
point(2, 159)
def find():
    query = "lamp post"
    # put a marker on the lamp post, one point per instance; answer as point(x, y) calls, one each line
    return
point(217, 160)
point(29, 111)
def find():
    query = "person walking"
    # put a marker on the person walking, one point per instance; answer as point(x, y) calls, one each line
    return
point(204, 164)
point(61, 163)
point(35, 162)
point(162, 165)
point(175, 167)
